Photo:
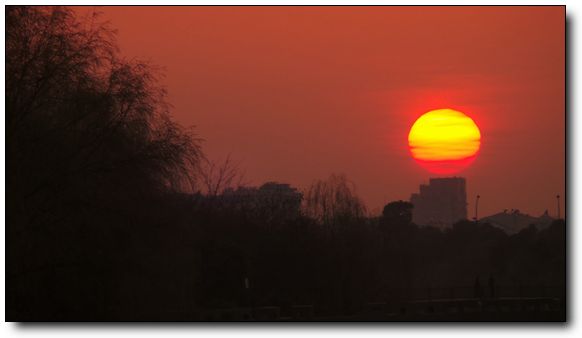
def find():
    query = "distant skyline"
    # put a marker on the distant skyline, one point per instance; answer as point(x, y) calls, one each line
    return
point(298, 93)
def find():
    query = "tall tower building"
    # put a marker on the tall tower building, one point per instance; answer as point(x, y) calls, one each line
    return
point(441, 203)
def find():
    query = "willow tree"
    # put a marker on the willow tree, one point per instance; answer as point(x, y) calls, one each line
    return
point(333, 200)
point(75, 108)
point(89, 140)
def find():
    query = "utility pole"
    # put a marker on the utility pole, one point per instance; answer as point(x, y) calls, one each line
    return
point(477, 208)
point(558, 200)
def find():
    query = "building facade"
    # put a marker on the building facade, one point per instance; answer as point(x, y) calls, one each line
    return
point(440, 203)
point(271, 201)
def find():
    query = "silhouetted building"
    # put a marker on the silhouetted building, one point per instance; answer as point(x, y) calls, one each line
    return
point(512, 221)
point(271, 200)
point(440, 203)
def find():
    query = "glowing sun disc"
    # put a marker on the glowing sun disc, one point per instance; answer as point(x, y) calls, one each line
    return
point(444, 141)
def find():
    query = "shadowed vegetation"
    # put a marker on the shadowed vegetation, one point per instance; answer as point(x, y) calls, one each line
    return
point(106, 219)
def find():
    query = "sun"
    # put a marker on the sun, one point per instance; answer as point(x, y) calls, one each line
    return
point(444, 141)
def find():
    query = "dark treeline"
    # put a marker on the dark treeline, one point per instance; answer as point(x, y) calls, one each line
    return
point(105, 221)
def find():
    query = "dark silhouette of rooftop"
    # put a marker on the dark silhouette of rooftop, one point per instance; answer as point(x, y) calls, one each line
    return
point(440, 203)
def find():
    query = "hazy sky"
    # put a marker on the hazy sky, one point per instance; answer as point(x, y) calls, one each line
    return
point(298, 93)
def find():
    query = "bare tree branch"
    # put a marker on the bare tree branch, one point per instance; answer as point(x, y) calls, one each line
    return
point(216, 177)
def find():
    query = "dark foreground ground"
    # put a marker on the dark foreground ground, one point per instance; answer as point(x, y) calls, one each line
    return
point(543, 309)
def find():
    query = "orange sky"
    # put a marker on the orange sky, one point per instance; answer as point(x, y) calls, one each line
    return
point(298, 93)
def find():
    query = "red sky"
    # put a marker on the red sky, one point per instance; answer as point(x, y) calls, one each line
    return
point(298, 93)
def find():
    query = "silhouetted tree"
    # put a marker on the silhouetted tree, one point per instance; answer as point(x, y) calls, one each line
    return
point(398, 213)
point(101, 222)
point(90, 151)
point(332, 200)
point(217, 177)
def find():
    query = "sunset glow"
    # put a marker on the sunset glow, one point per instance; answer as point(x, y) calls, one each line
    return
point(444, 141)
point(298, 163)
